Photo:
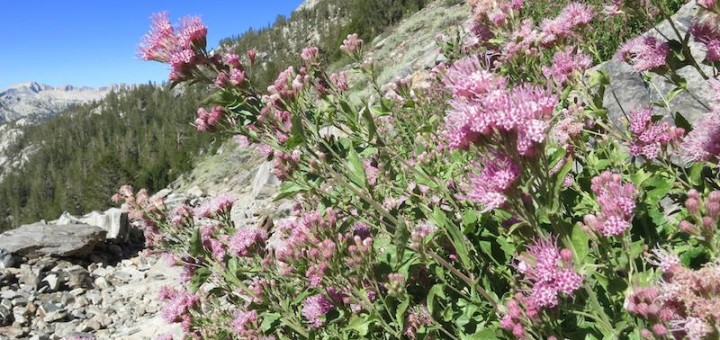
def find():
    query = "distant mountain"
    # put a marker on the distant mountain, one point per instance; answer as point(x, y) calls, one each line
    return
point(34, 101)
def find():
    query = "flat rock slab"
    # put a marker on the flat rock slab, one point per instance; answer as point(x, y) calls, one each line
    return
point(57, 240)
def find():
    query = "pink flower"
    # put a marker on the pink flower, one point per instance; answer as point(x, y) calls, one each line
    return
point(245, 239)
point(573, 16)
point(314, 307)
point(309, 54)
point(496, 177)
point(192, 33)
point(703, 142)
point(371, 172)
point(160, 40)
point(177, 305)
point(548, 272)
point(694, 328)
point(482, 106)
point(704, 30)
point(664, 259)
point(351, 44)
point(617, 204)
point(644, 53)
point(649, 138)
point(245, 324)
point(566, 64)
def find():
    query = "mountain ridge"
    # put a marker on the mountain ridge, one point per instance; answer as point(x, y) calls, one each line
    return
point(35, 101)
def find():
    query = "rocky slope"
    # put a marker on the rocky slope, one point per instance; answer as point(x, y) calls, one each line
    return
point(35, 101)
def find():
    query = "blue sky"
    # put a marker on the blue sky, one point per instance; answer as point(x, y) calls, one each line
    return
point(94, 43)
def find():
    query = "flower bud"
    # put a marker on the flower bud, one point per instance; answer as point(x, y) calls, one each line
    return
point(694, 194)
point(714, 196)
point(713, 209)
point(659, 329)
point(566, 255)
point(688, 227)
point(708, 223)
point(692, 205)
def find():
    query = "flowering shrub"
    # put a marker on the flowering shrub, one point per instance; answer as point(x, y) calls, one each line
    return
point(501, 202)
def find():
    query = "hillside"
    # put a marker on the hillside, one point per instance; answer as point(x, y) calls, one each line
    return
point(78, 159)
point(35, 101)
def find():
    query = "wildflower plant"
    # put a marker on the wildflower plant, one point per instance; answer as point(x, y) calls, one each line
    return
point(501, 201)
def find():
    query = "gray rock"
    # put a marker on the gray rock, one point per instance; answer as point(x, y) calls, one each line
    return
point(628, 88)
point(20, 301)
point(29, 277)
point(63, 329)
point(6, 316)
point(6, 259)
point(114, 221)
point(6, 303)
point(53, 282)
point(78, 277)
point(129, 274)
point(265, 183)
point(58, 240)
point(56, 316)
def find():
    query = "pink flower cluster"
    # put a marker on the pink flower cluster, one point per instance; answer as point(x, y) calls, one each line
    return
point(574, 16)
point(213, 240)
point(685, 304)
point(218, 207)
point(617, 205)
point(245, 324)
point(178, 305)
point(418, 317)
point(419, 233)
point(703, 142)
point(643, 303)
point(549, 271)
point(567, 64)
point(314, 308)
point(371, 172)
point(705, 213)
point(302, 241)
point(482, 106)
point(396, 284)
point(181, 47)
point(495, 12)
point(705, 30)
point(644, 53)
point(144, 210)
point(490, 187)
point(207, 121)
point(649, 138)
point(352, 44)
point(245, 240)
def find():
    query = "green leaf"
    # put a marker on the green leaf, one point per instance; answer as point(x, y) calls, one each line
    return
point(268, 320)
point(558, 185)
point(400, 238)
point(233, 265)
point(400, 312)
point(482, 334)
point(297, 132)
point(372, 128)
point(437, 290)
point(696, 171)
point(196, 247)
point(360, 324)
point(201, 275)
point(357, 170)
point(681, 122)
point(580, 241)
point(456, 237)
point(289, 189)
